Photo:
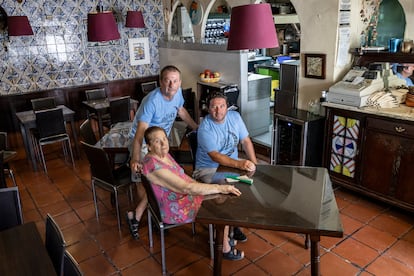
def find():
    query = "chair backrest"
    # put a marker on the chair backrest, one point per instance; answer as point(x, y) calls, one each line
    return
point(50, 122)
point(70, 266)
point(189, 101)
point(119, 110)
point(55, 244)
point(10, 208)
point(152, 200)
point(43, 103)
point(95, 94)
point(99, 162)
point(3, 141)
point(86, 132)
point(192, 141)
point(147, 87)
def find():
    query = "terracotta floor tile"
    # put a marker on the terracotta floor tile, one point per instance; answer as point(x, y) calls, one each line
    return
point(199, 268)
point(84, 250)
point(178, 257)
point(66, 219)
point(127, 254)
point(403, 251)
point(349, 247)
point(75, 233)
point(98, 266)
point(279, 263)
point(56, 208)
point(349, 224)
point(363, 210)
point(276, 238)
point(387, 222)
point(331, 264)
point(298, 251)
point(386, 265)
point(255, 247)
point(409, 236)
point(251, 269)
point(374, 238)
point(146, 267)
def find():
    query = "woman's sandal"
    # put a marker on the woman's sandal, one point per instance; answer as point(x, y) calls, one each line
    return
point(133, 225)
point(233, 255)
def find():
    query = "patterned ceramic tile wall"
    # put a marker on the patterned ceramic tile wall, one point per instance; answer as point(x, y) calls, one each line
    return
point(59, 55)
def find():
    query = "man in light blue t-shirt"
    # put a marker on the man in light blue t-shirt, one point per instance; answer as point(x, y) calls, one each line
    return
point(159, 108)
point(404, 71)
point(218, 137)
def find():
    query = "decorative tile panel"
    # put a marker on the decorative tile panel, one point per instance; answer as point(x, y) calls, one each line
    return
point(58, 54)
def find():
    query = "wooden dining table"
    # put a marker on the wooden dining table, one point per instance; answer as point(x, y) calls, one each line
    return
point(281, 198)
point(23, 252)
point(27, 121)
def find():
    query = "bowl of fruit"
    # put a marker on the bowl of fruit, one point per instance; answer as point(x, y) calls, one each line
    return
point(210, 76)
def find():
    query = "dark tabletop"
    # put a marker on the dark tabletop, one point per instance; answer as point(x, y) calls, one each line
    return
point(284, 198)
point(23, 252)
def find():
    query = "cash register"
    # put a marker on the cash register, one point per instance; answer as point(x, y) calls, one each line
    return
point(355, 88)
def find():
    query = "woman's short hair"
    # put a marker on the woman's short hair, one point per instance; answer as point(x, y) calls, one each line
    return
point(149, 131)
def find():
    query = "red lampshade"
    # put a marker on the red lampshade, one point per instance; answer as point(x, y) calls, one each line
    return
point(18, 26)
point(102, 27)
point(134, 19)
point(252, 27)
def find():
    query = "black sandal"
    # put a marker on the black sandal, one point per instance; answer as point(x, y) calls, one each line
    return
point(133, 226)
point(233, 255)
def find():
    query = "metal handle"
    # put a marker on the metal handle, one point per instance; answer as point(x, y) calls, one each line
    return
point(399, 129)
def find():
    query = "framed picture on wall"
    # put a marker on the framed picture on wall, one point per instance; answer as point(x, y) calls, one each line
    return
point(315, 66)
point(139, 51)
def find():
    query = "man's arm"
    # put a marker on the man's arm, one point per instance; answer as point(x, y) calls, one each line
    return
point(135, 162)
point(227, 161)
point(185, 116)
point(249, 149)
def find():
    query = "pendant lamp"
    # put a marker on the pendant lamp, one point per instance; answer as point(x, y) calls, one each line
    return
point(252, 27)
point(102, 27)
point(19, 26)
point(134, 19)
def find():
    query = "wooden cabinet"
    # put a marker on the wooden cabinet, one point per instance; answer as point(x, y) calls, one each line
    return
point(387, 160)
point(371, 154)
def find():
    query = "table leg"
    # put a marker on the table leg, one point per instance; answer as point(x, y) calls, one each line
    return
point(315, 258)
point(75, 136)
point(218, 250)
point(28, 143)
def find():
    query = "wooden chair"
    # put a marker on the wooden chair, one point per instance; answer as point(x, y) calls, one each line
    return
point(10, 208)
point(51, 128)
point(55, 244)
point(105, 177)
point(147, 87)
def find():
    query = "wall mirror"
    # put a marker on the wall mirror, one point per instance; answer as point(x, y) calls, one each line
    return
point(181, 25)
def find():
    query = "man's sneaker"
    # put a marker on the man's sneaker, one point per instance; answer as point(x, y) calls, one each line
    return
point(238, 235)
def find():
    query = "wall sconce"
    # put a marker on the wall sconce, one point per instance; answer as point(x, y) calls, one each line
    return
point(19, 26)
point(102, 27)
point(252, 27)
point(134, 19)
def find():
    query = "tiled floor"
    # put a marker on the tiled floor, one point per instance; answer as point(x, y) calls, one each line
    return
point(378, 239)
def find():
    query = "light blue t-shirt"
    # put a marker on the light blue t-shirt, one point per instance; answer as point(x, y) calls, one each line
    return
point(155, 110)
point(408, 81)
point(223, 138)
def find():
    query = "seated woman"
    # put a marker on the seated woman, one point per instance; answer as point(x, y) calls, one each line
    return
point(179, 196)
